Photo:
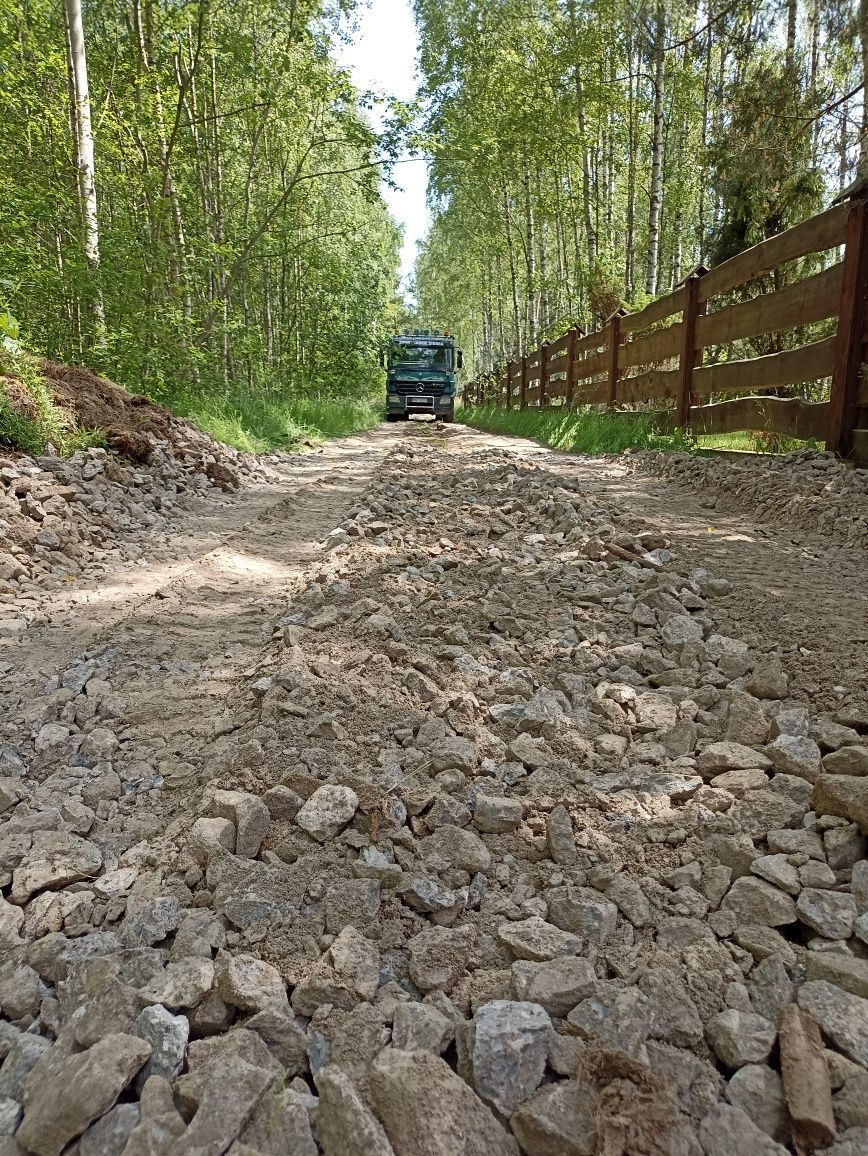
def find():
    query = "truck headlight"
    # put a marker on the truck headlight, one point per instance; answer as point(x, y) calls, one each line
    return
point(394, 397)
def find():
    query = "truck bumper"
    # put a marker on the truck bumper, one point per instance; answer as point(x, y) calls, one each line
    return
point(436, 406)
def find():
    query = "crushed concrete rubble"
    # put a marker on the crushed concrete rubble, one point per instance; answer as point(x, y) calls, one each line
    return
point(806, 490)
point(502, 846)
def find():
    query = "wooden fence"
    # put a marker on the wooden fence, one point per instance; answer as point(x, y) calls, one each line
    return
point(635, 359)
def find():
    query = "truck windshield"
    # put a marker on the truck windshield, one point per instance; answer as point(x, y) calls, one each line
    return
point(421, 356)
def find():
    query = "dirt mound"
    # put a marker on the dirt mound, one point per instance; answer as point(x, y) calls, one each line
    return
point(125, 419)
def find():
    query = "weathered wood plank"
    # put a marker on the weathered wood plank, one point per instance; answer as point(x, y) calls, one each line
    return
point(813, 299)
point(815, 235)
point(592, 394)
point(657, 311)
point(653, 347)
point(784, 415)
point(594, 340)
point(860, 446)
point(807, 363)
point(654, 383)
point(588, 366)
point(559, 347)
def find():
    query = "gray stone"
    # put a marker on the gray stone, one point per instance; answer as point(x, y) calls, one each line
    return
point(149, 922)
point(556, 985)
point(756, 902)
point(847, 761)
point(55, 859)
point(495, 814)
point(65, 1094)
point(221, 1117)
point(779, 871)
point(844, 795)
point(168, 1036)
point(758, 1091)
point(770, 988)
point(844, 846)
point(439, 956)
point(558, 1120)
point(427, 1110)
point(109, 1136)
point(729, 756)
point(345, 1126)
point(727, 1130)
point(848, 972)
point(674, 1015)
point(795, 755)
point(24, 1053)
point(829, 913)
point(764, 810)
point(420, 1027)
point(451, 847)
point(559, 836)
point(508, 1044)
point(159, 1121)
point(183, 984)
point(582, 911)
point(537, 940)
point(738, 1037)
point(10, 1118)
point(343, 976)
point(841, 1016)
point(251, 984)
point(618, 1019)
point(327, 811)
point(853, 1142)
point(427, 894)
point(208, 836)
point(630, 899)
point(283, 1035)
point(21, 990)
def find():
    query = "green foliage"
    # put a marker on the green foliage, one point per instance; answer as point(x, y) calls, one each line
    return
point(260, 423)
point(583, 431)
point(244, 243)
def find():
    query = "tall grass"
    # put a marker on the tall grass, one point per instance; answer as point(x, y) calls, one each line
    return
point(257, 424)
point(583, 431)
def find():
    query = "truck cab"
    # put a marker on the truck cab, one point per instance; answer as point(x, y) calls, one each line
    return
point(421, 368)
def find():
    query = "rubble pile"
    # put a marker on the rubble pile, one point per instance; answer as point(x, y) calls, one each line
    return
point(505, 846)
point(89, 513)
point(806, 490)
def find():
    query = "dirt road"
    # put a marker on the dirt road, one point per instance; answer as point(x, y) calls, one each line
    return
point(440, 745)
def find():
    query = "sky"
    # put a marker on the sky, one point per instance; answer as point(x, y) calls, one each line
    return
point(382, 58)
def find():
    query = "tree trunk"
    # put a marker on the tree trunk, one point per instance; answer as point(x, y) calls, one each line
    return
point(656, 190)
point(77, 63)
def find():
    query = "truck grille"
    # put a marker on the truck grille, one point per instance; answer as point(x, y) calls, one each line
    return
point(417, 389)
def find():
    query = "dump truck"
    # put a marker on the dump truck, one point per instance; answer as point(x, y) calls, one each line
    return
point(421, 368)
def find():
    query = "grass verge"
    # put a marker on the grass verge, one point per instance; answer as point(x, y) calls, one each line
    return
point(259, 424)
point(582, 431)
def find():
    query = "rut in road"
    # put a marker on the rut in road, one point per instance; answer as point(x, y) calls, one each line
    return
point(474, 798)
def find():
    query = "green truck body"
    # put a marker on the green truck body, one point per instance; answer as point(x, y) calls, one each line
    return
point(421, 369)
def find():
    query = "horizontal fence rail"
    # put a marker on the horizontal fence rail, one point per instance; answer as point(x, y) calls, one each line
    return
point(659, 354)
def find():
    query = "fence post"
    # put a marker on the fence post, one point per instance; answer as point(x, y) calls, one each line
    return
point(690, 356)
point(851, 326)
point(543, 374)
point(614, 346)
point(572, 337)
point(522, 398)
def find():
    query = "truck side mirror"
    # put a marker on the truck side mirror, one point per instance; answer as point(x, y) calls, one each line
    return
point(460, 359)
